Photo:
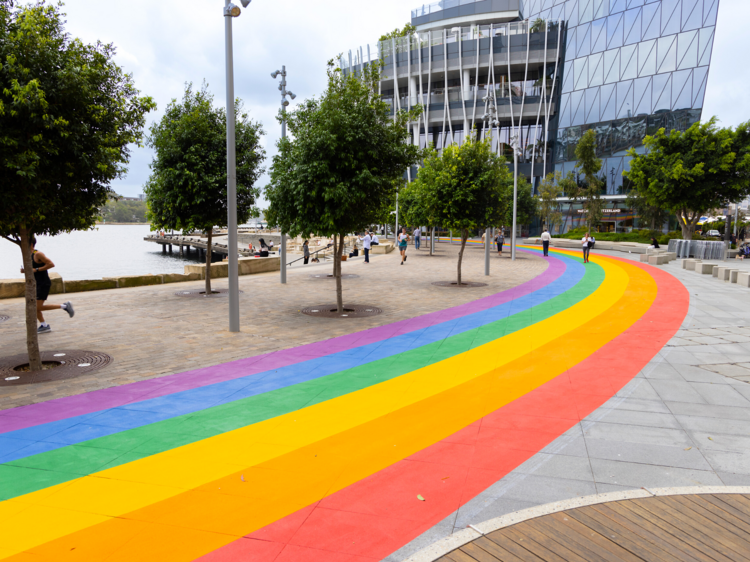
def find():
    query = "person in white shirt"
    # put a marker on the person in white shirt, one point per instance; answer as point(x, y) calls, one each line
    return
point(545, 242)
point(586, 243)
point(374, 237)
point(417, 238)
point(366, 241)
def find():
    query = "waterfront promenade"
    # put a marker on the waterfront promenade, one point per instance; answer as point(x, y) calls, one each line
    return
point(370, 439)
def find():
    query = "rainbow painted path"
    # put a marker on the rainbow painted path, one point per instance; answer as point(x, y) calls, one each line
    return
point(322, 452)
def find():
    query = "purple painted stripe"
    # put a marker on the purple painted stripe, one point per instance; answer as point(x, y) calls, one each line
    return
point(94, 401)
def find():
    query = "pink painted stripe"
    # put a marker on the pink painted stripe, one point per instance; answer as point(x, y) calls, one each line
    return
point(97, 400)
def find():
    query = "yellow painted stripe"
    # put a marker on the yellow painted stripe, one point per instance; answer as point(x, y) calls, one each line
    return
point(119, 491)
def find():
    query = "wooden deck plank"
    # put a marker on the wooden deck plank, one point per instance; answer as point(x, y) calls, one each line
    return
point(667, 532)
point(688, 528)
point(716, 514)
point(650, 549)
point(502, 553)
point(603, 541)
point(661, 510)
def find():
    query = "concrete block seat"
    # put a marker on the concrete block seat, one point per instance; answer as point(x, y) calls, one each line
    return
point(733, 274)
point(705, 268)
point(689, 264)
point(743, 278)
point(658, 259)
point(723, 272)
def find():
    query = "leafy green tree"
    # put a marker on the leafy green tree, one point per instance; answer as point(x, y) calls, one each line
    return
point(526, 204)
point(572, 191)
point(689, 173)
point(413, 208)
point(337, 171)
point(590, 166)
point(549, 208)
point(187, 189)
point(120, 211)
point(649, 214)
point(464, 187)
point(69, 115)
point(396, 33)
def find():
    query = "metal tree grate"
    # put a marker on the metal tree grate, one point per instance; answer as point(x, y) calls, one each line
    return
point(464, 285)
point(350, 311)
point(197, 293)
point(329, 276)
point(72, 363)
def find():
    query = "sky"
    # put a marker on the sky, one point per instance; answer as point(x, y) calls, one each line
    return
point(167, 43)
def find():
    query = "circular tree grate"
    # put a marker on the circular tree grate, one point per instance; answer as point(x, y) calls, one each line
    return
point(71, 364)
point(350, 311)
point(463, 285)
point(329, 276)
point(3, 318)
point(202, 294)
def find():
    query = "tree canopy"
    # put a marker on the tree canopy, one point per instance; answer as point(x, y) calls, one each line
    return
point(590, 166)
point(69, 117)
point(690, 173)
point(339, 169)
point(463, 187)
point(549, 208)
point(187, 189)
point(396, 33)
point(527, 206)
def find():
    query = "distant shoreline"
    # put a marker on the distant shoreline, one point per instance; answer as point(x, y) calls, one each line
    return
point(123, 223)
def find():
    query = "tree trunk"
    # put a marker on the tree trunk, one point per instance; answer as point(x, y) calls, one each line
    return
point(338, 248)
point(210, 234)
point(32, 337)
point(687, 226)
point(464, 236)
point(432, 240)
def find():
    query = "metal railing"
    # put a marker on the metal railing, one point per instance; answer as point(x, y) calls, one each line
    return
point(325, 256)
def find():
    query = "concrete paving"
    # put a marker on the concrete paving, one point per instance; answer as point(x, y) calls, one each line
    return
point(684, 420)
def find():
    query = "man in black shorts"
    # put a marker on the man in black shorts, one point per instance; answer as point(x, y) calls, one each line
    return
point(42, 264)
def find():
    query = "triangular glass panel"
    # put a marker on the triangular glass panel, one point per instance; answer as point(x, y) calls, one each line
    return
point(614, 31)
point(596, 70)
point(670, 17)
point(651, 22)
point(687, 50)
point(624, 99)
point(667, 54)
point(577, 111)
point(662, 92)
point(571, 44)
point(601, 8)
point(558, 12)
point(616, 6)
point(611, 66)
point(568, 80)
point(598, 35)
point(642, 96)
point(581, 70)
point(592, 105)
point(629, 62)
point(647, 58)
point(705, 42)
point(682, 90)
point(608, 102)
point(632, 26)
point(635, 3)
point(584, 40)
point(585, 11)
point(700, 76)
point(571, 13)
point(692, 14)
point(710, 8)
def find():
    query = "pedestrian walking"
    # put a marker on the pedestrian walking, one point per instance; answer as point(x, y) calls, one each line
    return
point(306, 251)
point(42, 264)
point(545, 242)
point(587, 242)
point(499, 241)
point(366, 243)
point(403, 240)
point(417, 237)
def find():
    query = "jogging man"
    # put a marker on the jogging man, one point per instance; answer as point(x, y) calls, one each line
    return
point(42, 264)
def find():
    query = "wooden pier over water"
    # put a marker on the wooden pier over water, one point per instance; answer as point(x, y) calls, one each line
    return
point(187, 243)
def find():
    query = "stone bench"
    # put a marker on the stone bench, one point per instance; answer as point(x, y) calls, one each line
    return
point(689, 264)
point(743, 278)
point(722, 272)
point(658, 260)
point(705, 268)
point(733, 275)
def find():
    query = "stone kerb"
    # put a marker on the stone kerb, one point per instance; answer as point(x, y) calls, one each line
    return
point(246, 266)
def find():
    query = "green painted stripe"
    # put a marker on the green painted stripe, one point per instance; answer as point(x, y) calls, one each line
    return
point(36, 472)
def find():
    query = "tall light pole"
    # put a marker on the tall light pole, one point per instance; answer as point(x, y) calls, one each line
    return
point(516, 154)
point(284, 104)
point(232, 11)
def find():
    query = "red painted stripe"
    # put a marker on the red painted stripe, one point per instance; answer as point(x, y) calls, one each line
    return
point(369, 520)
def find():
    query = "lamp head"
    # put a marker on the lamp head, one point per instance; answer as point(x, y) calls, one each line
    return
point(275, 74)
point(245, 3)
point(232, 11)
point(292, 95)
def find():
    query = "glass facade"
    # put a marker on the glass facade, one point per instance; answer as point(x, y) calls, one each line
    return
point(630, 67)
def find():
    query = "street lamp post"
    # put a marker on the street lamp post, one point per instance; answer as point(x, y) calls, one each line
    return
point(491, 118)
point(516, 154)
point(232, 11)
point(284, 104)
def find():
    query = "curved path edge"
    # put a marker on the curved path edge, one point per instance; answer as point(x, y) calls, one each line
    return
point(459, 539)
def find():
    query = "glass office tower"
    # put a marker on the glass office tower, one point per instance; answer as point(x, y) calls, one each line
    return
point(624, 68)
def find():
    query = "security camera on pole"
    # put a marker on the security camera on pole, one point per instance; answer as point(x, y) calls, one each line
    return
point(284, 104)
point(232, 11)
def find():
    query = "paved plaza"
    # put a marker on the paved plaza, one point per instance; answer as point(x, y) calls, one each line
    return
point(369, 439)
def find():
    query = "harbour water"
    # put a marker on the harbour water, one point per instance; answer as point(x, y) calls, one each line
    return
point(108, 251)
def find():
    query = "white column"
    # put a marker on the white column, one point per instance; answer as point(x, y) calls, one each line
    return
point(413, 91)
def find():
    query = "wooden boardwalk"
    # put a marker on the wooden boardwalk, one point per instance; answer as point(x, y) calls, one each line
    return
point(689, 528)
